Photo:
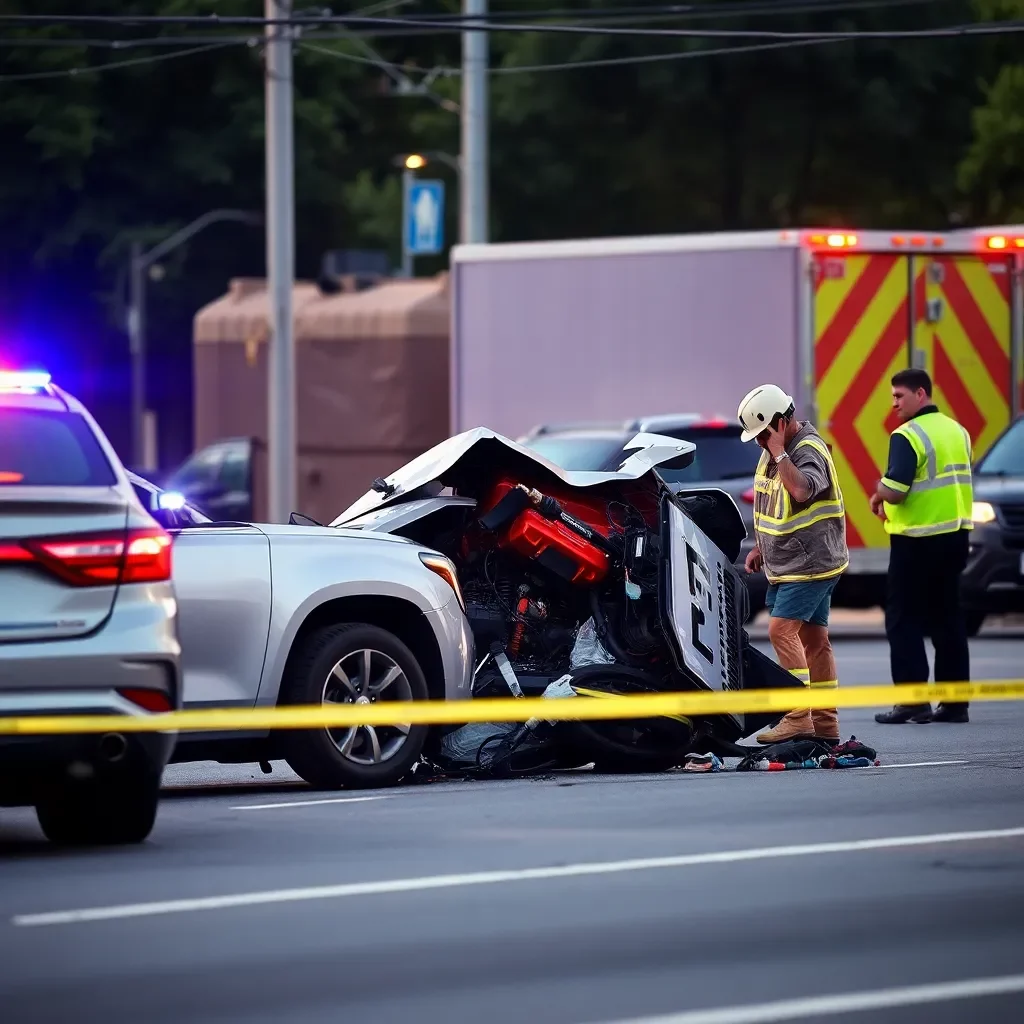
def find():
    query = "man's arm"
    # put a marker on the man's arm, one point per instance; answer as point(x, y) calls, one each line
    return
point(804, 474)
point(899, 474)
point(795, 480)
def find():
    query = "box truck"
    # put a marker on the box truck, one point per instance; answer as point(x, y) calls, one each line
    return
point(622, 327)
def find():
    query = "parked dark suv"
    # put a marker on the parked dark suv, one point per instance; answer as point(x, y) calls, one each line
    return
point(993, 581)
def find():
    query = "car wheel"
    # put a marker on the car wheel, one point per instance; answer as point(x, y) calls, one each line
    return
point(105, 812)
point(353, 664)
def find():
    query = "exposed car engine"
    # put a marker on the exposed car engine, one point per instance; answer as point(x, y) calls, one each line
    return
point(535, 565)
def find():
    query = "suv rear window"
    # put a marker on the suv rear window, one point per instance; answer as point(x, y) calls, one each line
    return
point(720, 455)
point(580, 452)
point(40, 448)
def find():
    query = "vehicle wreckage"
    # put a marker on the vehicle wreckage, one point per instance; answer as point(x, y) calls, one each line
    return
point(582, 584)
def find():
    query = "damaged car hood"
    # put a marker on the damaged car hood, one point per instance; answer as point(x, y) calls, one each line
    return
point(455, 455)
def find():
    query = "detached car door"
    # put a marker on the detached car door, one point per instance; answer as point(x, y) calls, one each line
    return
point(222, 580)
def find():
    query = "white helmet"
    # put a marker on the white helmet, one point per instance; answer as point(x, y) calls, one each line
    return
point(759, 407)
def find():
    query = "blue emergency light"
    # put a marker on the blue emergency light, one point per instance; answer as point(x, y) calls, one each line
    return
point(172, 501)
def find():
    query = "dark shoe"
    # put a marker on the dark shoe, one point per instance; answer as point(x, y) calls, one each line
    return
point(956, 713)
point(903, 713)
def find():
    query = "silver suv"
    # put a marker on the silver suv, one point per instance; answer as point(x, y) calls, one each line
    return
point(88, 620)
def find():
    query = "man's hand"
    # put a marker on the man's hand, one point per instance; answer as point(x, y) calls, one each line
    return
point(876, 505)
point(754, 562)
point(775, 442)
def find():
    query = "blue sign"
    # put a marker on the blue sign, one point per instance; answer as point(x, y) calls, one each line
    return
point(424, 217)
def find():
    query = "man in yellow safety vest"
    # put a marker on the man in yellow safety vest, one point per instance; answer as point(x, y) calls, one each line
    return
point(925, 499)
point(800, 530)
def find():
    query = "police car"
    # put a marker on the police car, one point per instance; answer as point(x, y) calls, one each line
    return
point(88, 620)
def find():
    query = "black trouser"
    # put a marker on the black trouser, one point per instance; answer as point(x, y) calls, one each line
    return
point(923, 599)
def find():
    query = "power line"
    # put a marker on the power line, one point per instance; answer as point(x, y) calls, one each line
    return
point(34, 76)
point(942, 32)
point(739, 8)
point(972, 28)
point(653, 58)
point(56, 42)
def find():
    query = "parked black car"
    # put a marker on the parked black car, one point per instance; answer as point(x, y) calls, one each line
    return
point(993, 581)
point(217, 479)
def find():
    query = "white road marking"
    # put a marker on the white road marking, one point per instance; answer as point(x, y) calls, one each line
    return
point(922, 764)
point(310, 803)
point(326, 892)
point(847, 1002)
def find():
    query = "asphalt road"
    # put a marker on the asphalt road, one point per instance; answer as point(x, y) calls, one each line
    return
point(859, 894)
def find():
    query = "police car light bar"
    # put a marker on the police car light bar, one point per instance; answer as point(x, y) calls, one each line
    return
point(31, 380)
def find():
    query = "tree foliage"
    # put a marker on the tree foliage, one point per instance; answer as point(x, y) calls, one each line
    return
point(871, 133)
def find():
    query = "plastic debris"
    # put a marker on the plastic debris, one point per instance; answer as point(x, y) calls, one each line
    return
point(588, 649)
point(702, 763)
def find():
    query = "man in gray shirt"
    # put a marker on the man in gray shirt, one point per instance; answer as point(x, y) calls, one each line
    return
point(800, 530)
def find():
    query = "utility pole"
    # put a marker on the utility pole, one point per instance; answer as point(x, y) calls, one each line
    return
point(137, 348)
point(280, 263)
point(140, 262)
point(473, 194)
point(407, 179)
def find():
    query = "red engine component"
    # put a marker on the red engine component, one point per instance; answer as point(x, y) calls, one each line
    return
point(551, 543)
point(556, 547)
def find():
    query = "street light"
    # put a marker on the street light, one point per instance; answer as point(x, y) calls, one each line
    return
point(415, 161)
point(140, 262)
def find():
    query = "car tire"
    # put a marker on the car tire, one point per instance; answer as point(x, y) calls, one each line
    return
point(364, 757)
point(113, 811)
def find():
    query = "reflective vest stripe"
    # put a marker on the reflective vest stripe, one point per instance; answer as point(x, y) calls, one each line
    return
point(785, 522)
point(811, 577)
point(895, 485)
point(934, 528)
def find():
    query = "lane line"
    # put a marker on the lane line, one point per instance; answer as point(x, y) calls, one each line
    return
point(922, 764)
point(310, 803)
point(847, 1002)
point(325, 892)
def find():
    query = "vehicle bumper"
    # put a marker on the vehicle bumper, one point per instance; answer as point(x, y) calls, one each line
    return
point(451, 628)
point(137, 649)
point(993, 580)
point(32, 765)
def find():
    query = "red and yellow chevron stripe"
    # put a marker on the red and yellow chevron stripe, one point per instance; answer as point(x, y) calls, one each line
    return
point(862, 316)
point(967, 340)
point(861, 320)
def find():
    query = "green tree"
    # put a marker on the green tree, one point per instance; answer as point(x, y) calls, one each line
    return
point(991, 173)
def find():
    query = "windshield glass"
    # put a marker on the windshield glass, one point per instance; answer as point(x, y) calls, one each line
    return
point(580, 452)
point(1006, 456)
point(720, 455)
point(43, 448)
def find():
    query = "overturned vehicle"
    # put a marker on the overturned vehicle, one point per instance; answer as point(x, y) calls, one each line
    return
point(582, 584)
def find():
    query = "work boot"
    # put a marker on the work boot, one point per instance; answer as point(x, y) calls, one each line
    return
point(826, 723)
point(951, 713)
point(903, 713)
point(797, 725)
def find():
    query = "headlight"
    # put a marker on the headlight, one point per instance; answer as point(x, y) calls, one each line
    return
point(446, 570)
point(983, 512)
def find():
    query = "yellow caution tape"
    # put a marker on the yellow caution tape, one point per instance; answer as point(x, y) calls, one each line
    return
point(510, 709)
